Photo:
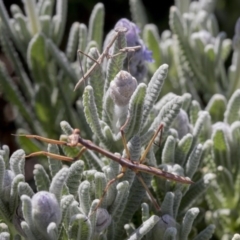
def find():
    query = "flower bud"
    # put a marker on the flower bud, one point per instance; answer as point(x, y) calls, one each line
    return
point(135, 62)
point(103, 220)
point(122, 88)
point(45, 209)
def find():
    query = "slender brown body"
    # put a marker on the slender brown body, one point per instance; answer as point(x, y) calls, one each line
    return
point(75, 139)
point(134, 165)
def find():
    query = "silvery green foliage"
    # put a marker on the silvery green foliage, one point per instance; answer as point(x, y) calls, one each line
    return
point(76, 192)
point(195, 50)
point(221, 157)
point(144, 114)
point(47, 75)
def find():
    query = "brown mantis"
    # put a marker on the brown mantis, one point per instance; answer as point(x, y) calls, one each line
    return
point(105, 54)
point(75, 139)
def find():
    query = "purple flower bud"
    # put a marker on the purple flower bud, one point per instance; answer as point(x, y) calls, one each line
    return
point(103, 220)
point(133, 29)
point(135, 61)
point(122, 88)
point(45, 209)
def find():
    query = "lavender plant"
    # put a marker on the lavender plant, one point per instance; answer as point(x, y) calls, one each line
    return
point(201, 145)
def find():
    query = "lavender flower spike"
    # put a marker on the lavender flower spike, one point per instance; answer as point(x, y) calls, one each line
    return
point(136, 61)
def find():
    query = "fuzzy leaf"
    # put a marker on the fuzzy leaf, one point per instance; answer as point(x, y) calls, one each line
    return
point(188, 222)
point(2, 172)
point(58, 183)
point(84, 196)
point(233, 110)
point(193, 161)
point(207, 233)
point(96, 23)
point(27, 210)
point(54, 166)
point(145, 211)
point(136, 194)
point(144, 228)
point(4, 211)
point(177, 200)
point(41, 178)
point(59, 21)
point(152, 40)
point(38, 59)
point(167, 114)
point(117, 206)
point(188, 60)
point(136, 108)
point(91, 114)
point(31, 13)
point(14, 96)
point(44, 109)
point(15, 161)
point(221, 148)
point(216, 107)
point(115, 63)
point(167, 204)
point(153, 89)
point(138, 13)
point(186, 98)
point(170, 234)
point(183, 148)
point(13, 56)
point(61, 60)
point(27, 230)
point(79, 228)
point(194, 110)
point(74, 177)
point(14, 192)
point(169, 150)
point(195, 192)
point(72, 43)
point(65, 204)
point(100, 185)
point(96, 80)
point(25, 189)
point(82, 39)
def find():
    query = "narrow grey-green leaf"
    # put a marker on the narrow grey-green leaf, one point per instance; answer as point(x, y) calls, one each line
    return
point(138, 13)
point(216, 107)
point(152, 40)
point(136, 108)
point(91, 114)
point(96, 23)
point(153, 89)
point(233, 108)
point(41, 178)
